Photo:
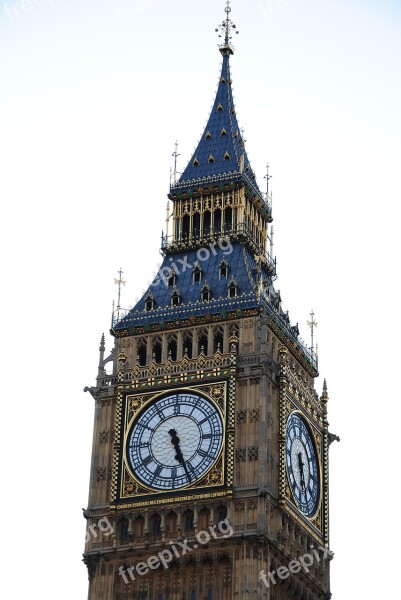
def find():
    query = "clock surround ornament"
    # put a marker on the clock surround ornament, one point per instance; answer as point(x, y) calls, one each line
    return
point(175, 440)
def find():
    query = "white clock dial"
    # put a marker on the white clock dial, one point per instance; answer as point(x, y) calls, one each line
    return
point(302, 465)
point(175, 441)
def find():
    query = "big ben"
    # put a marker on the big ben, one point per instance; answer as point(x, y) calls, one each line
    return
point(209, 474)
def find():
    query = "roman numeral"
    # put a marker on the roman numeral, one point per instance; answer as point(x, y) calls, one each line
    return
point(147, 460)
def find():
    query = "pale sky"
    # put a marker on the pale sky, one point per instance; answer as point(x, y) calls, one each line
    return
point(93, 96)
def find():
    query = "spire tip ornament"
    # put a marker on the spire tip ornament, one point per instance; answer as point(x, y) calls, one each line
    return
point(226, 29)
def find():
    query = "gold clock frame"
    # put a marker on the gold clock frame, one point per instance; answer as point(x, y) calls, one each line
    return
point(128, 492)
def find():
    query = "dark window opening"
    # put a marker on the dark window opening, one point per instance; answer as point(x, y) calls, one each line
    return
point(232, 290)
point(175, 299)
point(138, 526)
point(157, 352)
point(149, 304)
point(189, 520)
point(172, 280)
point(203, 343)
point(187, 346)
point(218, 341)
point(196, 225)
point(142, 355)
point(172, 349)
point(205, 295)
point(206, 223)
point(228, 216)
point(124, 529)
point(217, 221)
point(223, 271)
point(155, 525)
point(197, 276)
point(185, 226)
point(222, 512)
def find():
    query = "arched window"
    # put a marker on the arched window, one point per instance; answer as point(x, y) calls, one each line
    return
point(222, 513)
point(204, 516)
point(217, 221)
point(188, 520)
point(157, 350)
point(218, 339)
point(187, 344)
point(210, 595)
point(206, 223)
point(228, 217)
point(185, 227)
point(142, 351)
point(196, 225)
point(203, 341)
point(138, 527)
point(123, 529)
point(172, 347)
point(223, 270)
point(155, 524)
point(171, 522)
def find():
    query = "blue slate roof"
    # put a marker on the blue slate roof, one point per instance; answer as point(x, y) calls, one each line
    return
point(242, 270)
point(218, 157)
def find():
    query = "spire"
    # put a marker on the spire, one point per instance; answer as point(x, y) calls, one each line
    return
point(220, 157)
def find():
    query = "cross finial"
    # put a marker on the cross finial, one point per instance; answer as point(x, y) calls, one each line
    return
point(226, 28)
point(119, 282)
point(268, 177)
point(176, 155)
point(312, 324)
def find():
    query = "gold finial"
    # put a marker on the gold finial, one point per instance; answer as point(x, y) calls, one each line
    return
point(226, 28)
point(119, 282)
point(312, 324)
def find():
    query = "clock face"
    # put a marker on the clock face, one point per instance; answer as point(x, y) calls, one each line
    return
point(174, 441)
point(302, 465)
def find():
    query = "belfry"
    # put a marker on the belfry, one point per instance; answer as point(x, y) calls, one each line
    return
point(209, 474)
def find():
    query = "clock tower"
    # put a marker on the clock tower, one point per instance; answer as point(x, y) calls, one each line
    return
point(209, 474)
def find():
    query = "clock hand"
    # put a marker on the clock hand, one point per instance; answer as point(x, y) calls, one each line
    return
point(301, 468)
point(175, 440)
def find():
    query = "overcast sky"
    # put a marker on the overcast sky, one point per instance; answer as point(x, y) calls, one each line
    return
point(94, 94)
